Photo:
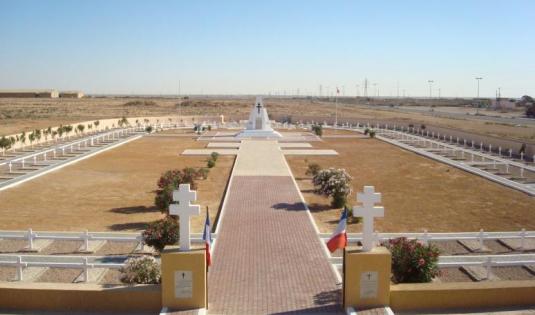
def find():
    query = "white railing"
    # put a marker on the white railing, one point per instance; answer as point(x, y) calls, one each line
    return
point(85, 237)
point(71, 145)
point(426, 237)
point(20, 262)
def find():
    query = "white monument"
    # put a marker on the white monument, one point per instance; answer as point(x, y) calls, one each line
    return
point(258, 124)
point(184, 209)
point(368, 211)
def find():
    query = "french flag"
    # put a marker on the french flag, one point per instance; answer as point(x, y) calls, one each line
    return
point(207, 238)
point(339, 237)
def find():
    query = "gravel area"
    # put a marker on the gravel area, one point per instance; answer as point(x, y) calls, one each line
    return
point(512, 273)
point(61, 248)
point(116, 248)
point(59, 275)
point(12, 246)
point(112, 276)
point(453, 275)
point(7, 273)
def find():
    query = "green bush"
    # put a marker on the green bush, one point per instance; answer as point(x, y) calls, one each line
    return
point(161, 233)
point(141, 270)
point(210, 163)
point(148, 129)
point(372, 133)
point(214, 156)
point(318, 130)
point(203, 172)
point(170, 181)
point(334, 183)
point(413, 262)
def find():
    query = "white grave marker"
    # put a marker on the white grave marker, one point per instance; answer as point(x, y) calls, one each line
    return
point(184, 209)
point(368, 211)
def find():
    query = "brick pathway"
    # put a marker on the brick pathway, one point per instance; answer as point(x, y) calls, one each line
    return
point(268, 257)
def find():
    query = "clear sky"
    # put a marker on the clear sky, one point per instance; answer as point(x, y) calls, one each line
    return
point(250, 47)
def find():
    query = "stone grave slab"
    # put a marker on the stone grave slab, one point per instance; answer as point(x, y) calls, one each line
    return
point(309, 152)
point(295, 145)
point(473, 246)
point(514, 244)
point(478, 273)
point(94, 275)
point(226, 145)
point(29, 274)
point(38, 245)
point(530, 268)
point(209, 151)
point(93, 246)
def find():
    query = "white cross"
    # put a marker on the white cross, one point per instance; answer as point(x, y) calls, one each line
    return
point(184, 209)
point(368, 212)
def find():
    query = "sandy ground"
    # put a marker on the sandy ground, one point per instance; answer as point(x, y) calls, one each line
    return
point(113, 191)
point(27, 114)
point(418, 193)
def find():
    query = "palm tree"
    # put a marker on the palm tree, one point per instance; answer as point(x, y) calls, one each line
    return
point(60, 130)
point(14, 141)
point(54, 134)
point(23, 138)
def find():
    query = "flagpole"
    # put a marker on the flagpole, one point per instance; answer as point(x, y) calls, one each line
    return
point(336, 109)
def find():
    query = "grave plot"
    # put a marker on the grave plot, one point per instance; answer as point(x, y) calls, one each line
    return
point(113, 191)
point(419, 193)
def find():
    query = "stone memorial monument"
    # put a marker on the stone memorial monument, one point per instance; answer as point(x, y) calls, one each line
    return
point(258, 125)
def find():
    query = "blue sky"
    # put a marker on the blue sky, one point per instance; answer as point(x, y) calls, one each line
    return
point(225, 47)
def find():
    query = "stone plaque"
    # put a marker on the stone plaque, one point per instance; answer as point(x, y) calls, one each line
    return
point(368, 285)
point(183, 284)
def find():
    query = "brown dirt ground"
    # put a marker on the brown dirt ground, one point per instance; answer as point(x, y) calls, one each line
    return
point(418, 193)
point(112, 191)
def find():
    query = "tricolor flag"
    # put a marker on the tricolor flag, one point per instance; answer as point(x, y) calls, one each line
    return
point(339, 237)
point(207, 238)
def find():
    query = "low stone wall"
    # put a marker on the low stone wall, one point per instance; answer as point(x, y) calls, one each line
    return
point(80, 297)
point(429, 296)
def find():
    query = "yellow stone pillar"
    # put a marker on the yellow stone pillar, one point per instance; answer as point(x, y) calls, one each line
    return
point(366, 277)
point(184, 281)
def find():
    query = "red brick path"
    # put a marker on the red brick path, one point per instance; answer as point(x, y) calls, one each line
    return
point(268, 258)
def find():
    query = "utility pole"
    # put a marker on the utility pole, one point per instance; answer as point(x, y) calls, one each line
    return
point(397, 85)
point(366, 87)
point(430, 88)
point(321, 92)
point(478, 79)
point(356, 90)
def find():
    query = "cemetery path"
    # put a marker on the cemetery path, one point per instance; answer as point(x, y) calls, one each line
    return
point(268, 258)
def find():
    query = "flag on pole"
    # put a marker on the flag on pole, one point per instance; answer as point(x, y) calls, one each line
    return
point(207, 238)
point(337, 90)
point(339, 237)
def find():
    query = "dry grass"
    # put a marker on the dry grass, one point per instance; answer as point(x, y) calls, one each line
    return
point(27, 114)
point(418, 193)
point(112, 191)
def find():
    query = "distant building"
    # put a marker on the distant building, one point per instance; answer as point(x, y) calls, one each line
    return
point(71, 94)
point(30, 93)
point(502, 103)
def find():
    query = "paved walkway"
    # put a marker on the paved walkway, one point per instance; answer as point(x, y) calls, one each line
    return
point(268, 257)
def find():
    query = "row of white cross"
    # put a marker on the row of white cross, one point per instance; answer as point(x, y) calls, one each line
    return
point(368, 211)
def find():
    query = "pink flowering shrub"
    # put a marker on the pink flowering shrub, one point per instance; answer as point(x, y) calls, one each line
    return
point(334, 183)
point(143, 270)
point(412, 261)
point(161, 233)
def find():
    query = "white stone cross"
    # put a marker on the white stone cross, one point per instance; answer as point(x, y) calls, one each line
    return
point(368, 211)
point(184, 209)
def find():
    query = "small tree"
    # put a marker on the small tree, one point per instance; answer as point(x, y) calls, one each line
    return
point(96, 123)
point(412, 261)
point(141, 270)
point(214, 156)
point(148, 129)
point(210, 163)
point(371, 133)
point(31, 137)
point(334, 183)
point(80, 128)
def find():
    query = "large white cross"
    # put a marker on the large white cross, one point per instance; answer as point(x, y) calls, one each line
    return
point(368, 212)
point(184, 209)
